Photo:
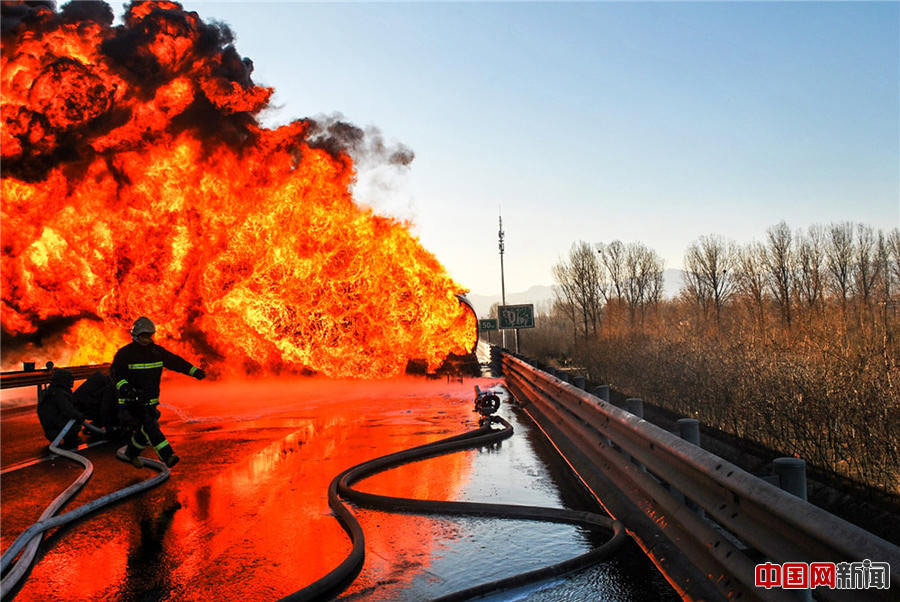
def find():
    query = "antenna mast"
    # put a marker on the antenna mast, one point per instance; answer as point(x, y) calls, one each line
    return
point(502, 279)
point(502, 282)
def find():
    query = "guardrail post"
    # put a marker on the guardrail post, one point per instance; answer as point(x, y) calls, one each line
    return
point(635, 405)
point(689, 430)
point(602, 391)
point(578, 381)
point(791, 475)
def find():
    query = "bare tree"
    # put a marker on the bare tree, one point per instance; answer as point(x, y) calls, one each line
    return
point(710, 272)
point(839, 252)
point(751, 279)
point(778, 258)
point(613, 258)
point(592, 283)
point(892, 262)
point(867, 269)
point(582, 283)
point(889, 258)
point(893, 247)
point(883, 258)
point(564, 295)
point(693, 283)
point(643, 282)
point(810, 266)
point(656, 282)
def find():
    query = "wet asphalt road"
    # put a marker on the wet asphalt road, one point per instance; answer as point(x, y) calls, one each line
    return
point(244, 515)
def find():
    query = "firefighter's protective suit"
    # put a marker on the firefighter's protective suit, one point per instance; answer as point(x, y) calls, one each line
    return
point(136, 372)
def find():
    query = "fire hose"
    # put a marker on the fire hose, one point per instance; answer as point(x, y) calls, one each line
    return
point(343, 575)
point(28, 542)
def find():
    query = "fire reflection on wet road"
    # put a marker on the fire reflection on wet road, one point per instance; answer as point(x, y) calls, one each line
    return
point(245, 514)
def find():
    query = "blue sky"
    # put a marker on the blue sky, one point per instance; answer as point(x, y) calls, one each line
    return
point(651, 122)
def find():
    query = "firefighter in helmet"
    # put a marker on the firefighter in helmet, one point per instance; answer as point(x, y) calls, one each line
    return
point(136, 371)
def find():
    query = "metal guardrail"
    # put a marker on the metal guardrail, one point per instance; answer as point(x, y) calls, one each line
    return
point(26, 378)
point(650, 466)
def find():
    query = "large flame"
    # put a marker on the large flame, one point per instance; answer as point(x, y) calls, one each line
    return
point(137, 181)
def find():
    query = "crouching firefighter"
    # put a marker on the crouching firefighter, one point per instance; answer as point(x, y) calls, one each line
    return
point(56, 406)
point(136, 371)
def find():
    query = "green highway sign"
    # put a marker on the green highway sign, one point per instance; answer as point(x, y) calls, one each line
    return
point(487, 324)
point(516, 316)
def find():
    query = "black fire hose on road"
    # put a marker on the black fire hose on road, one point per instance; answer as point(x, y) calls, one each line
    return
point(30, 539)
point(343, 575)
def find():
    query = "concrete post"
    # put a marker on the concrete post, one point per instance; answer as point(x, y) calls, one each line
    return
point(689, 430)
point(635, 405)
point(578, 381)
point(791, 475)
point(602, 391)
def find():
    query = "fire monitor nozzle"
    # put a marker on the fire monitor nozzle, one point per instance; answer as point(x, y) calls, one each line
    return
point(486, 402)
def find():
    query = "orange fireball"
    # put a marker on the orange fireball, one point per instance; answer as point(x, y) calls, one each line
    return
point(138, 181)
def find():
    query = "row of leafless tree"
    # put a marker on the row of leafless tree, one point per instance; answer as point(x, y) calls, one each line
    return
point(800, 271)
point(789, 342)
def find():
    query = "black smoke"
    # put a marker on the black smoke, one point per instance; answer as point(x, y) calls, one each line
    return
point(47, 142)
point(336, 136)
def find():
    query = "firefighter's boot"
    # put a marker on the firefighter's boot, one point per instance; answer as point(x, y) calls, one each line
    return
point(167, 454)
point(134, 455)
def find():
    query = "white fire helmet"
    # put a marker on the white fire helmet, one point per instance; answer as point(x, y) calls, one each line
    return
point(142, 326)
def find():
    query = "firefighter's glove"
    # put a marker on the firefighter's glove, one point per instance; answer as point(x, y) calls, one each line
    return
point(127, 391)
point(199, 374)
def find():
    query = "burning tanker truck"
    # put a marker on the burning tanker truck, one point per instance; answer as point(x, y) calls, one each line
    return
point(137, 180)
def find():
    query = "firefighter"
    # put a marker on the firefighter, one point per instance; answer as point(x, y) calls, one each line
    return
point(56, 406)
point(136, 371)
point(96, 399)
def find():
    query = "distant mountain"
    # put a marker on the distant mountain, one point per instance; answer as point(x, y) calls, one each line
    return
point(542, 296)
